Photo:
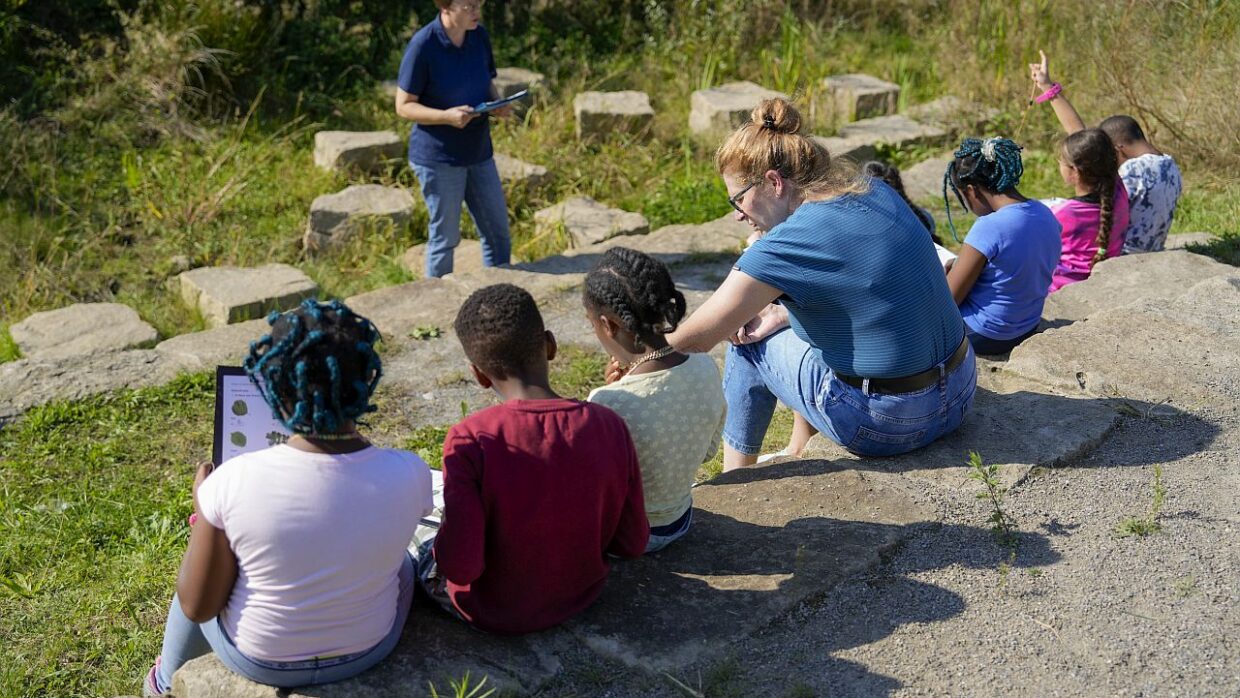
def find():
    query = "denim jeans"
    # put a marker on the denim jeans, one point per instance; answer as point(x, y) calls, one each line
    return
point(786, 368)
point(663, 536)
point(445, 188)
point(185, 640)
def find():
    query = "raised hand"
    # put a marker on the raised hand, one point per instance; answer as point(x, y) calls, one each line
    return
point(1041, 74)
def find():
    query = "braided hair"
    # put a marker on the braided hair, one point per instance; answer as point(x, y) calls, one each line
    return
point(639, 290)
point(993, 164)
point(318, 367)
point(891, 175)
point(1092, 153)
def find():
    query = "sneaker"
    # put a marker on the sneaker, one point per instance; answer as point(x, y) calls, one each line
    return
point(778, 454)
point(150, 687)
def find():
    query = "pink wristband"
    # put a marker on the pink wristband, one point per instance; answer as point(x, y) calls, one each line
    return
point(193, 518)
point(1049, 94)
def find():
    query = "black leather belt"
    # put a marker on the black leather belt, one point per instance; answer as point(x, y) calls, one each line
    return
point(908, 384)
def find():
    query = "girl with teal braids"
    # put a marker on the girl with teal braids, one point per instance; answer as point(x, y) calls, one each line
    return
point(297, 571)
point(1002, 275)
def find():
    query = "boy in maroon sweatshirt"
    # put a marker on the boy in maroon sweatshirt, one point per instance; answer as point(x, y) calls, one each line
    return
point(537, 491)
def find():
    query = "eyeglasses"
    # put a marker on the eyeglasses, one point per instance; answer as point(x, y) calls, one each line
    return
point(735, 199)
point(470, 6)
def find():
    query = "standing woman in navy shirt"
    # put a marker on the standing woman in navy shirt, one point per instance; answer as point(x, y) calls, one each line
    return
point(447, 70)
point(844, 312)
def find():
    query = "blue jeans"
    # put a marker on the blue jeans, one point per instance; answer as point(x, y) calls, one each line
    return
point(786, 368)
point(185, 640)
point(445, 188)
point(663, 536)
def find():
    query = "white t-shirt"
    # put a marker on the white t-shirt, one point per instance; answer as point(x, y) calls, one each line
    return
point(319, 540)
point(1153, 183)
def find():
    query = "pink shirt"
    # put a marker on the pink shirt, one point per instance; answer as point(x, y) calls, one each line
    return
point(1080, 236)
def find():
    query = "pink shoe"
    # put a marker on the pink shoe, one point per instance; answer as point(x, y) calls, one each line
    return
point(150, 687)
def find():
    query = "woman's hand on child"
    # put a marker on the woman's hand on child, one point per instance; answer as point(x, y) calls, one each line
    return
point(1041, 74)
point(614, 371)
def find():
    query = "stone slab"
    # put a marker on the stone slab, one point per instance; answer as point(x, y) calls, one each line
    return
point(763, 541)
point(1185, 349)
point(227, 295)
point(81, 329)
point(1015, 423)
point(334, 218)
point(397, 310)
point(466, 258)
point(1118, 281)
point(587, 221)
point(516, 173)
point(27, 383)
point(601, 114)
point(895, 130)
point(953, 114)
point(365, 151)
point(924, 181)
point(726, 107)
point(859, 150)
point(433, 649)
point(223, 346)
point(856, 96)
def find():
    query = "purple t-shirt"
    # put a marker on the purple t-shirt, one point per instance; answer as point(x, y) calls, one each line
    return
point(1021, 246)
point(444, 75)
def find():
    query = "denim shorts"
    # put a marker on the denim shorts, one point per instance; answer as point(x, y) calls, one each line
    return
point(785, 368)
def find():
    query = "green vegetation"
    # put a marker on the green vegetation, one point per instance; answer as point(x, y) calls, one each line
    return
point(993, 493)
point(1145, 525)
point(8, 348)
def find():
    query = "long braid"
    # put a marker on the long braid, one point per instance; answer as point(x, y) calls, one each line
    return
point(318, 367)
point(1106, 210)
point(1092, 153)
point(993, 164)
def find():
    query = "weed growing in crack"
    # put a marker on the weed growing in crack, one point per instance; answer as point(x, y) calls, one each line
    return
point(994, 493)
point(1144, 526)
point(461, 688)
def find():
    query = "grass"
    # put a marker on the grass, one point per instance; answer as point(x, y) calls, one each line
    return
point(1146, 525)
point(8, 348)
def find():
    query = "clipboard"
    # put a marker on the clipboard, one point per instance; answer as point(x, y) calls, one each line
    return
point(492, 106)
point(243, 420)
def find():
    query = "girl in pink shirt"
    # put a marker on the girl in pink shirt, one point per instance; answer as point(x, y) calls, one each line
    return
point(1095, 220)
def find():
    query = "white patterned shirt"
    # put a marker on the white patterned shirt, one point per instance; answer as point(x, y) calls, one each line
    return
point(675, 417)
point(1153, 183)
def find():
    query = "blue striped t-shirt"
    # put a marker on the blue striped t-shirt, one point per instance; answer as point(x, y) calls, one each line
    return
point(862, 284)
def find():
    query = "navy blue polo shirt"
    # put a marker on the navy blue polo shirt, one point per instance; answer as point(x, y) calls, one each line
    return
point(443, 76)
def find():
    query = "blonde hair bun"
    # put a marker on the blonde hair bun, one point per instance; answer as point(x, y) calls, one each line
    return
point(778, 115)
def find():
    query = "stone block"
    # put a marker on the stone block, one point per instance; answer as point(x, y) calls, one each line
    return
point(898, 131)
point(226, 295)
point(727, 107)
point(954, 115)
point(27, 383)
point(857, 96)
point(336, 217)
point(365, 151)
point(223, 346)
point(1119, 281)
point(859, 150)
point(600, 114)
point(510, 81)
point(81, 329)
point(466, 258)
point(516, 173)
point(924, 181)
point(587, 221)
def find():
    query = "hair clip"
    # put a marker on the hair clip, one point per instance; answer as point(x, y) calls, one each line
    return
point(768, 122)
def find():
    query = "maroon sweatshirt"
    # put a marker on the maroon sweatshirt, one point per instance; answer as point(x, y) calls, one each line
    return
point(536, 494)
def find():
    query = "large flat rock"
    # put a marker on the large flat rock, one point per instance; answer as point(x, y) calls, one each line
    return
point(516, 173)
point(726, 107)
point(223, 346)
point(858, 96)
point(762, 542)
point(924, 181)
point(859, 150)
point(466, 257)
point(365, 151)
point(671, 244)
point(334, 218)
point(587, 221)
point(602, 114)
point(1014, 423)
point(1184, 349)
point(434, 649)
point(81, 329)
point(227, 295)
point(1118, 281)
point(27, 383)
point(895, 130)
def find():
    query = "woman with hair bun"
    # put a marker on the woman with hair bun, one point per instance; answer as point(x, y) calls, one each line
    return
point(877, 358)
